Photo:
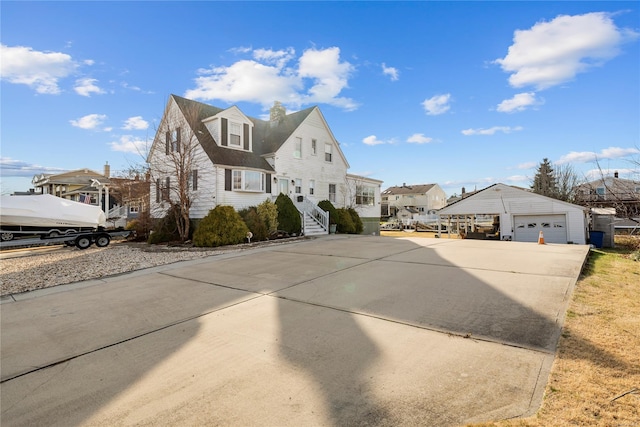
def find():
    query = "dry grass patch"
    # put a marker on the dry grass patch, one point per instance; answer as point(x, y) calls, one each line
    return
point(595, 379)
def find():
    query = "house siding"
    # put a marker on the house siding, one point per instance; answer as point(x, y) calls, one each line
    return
point(311, 166)
point(212, 190)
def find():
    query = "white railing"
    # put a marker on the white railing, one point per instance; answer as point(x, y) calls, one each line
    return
point(318, 215)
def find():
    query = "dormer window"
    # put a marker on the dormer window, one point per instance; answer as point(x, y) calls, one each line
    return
point(235, 134)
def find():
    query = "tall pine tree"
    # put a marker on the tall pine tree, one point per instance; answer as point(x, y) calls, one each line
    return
point(544, 182)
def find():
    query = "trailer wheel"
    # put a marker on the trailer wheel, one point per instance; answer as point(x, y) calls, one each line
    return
point(6, 237)
point(103, 240)
point(83, 242)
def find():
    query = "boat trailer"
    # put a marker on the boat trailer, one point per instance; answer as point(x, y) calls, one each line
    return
point(81, 240)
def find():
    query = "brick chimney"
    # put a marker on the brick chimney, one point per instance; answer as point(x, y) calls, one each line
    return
point(107, 170)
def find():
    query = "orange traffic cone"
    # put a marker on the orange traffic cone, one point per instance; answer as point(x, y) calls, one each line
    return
point(541, 238)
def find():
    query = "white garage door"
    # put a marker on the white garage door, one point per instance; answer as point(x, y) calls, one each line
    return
point(528, 227)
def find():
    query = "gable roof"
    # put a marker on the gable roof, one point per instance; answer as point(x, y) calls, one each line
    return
point(266, 138)
point(409, 189)
point(457, 207)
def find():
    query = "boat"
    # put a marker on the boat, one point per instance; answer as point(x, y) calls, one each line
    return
point(46, 214)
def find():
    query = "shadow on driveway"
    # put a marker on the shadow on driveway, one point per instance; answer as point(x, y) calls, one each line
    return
point(335, 331)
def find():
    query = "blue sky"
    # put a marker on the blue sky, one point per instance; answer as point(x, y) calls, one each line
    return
point(454, 93)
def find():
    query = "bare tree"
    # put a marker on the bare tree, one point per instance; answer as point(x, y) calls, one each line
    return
point(613, 192)
point(174, 162)
point(567, 181)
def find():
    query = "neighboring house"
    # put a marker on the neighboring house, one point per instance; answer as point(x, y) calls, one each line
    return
point(81, 185)
point(237, 160)
point(412, 201)
point(121, 199)
point(509, 213)
point(611, 192)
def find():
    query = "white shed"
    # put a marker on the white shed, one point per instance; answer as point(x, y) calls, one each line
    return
point(510, 213)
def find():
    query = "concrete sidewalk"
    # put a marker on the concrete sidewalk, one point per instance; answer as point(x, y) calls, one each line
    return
point(335, 331)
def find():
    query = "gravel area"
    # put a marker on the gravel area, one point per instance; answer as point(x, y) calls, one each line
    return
point(43, 268)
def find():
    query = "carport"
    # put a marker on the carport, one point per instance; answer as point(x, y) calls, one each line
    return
point(503, 212)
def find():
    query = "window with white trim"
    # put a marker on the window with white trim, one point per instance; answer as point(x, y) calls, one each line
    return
point(328, 152)
point(332, 193)
point(244, 180)
point(134, 207)
point(365, 195)
point(297, 148)
point(235, 134)
point(314, 147)
point(298, 188)
point(312, 186)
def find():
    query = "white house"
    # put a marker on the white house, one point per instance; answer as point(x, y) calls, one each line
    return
point(412, 201)
point(232, 159)
point(511, 213)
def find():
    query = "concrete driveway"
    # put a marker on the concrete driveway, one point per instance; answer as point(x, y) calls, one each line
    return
point(335, 331)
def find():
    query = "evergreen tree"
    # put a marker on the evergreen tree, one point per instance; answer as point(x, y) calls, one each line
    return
point(544, 182)
point(288, 215)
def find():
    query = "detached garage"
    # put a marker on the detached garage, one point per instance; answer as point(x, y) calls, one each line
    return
point(509, 213)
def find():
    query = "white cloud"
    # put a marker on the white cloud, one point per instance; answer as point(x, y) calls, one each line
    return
point(87, 86)
point(492, 131)
point(519, 102)
point(277, 57)
point(318, 77)
point(551, 53)
point(12, 167)
point(527, 165)
point(392, 72)
point(90, 121)
point(372, 140)
point(590, 156)
point(39, 70)
point(419, 138)
point(437, 104)
point(624, 173)
point(518, 178)
point(135, 123)
point(130, 144)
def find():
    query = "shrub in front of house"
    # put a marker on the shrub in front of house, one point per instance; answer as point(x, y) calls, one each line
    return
point(222, 226)
point(327, 206)
point(268, 212)
point(165, 229)
point(344, 221)
point(288, 215)
point(255, 223)
point(357, 222)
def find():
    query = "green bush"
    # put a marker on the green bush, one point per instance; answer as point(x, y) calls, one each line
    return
point(344, 222)
point(255, 223)
point(268, 212)
point(357, 222)
point(165, 229)
point(288, 215)
point(222, 226)
point(327, 206)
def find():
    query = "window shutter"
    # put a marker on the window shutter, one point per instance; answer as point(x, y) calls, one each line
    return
point(195, 179)
point(225, 135)
point(227, 180)
point(178, 139)
point(246, 136)
point(168, 146)
point(267, 187)
point(168, 185)
point(158, 189)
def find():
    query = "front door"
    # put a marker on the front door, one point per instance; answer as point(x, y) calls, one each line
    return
point(283, 186)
